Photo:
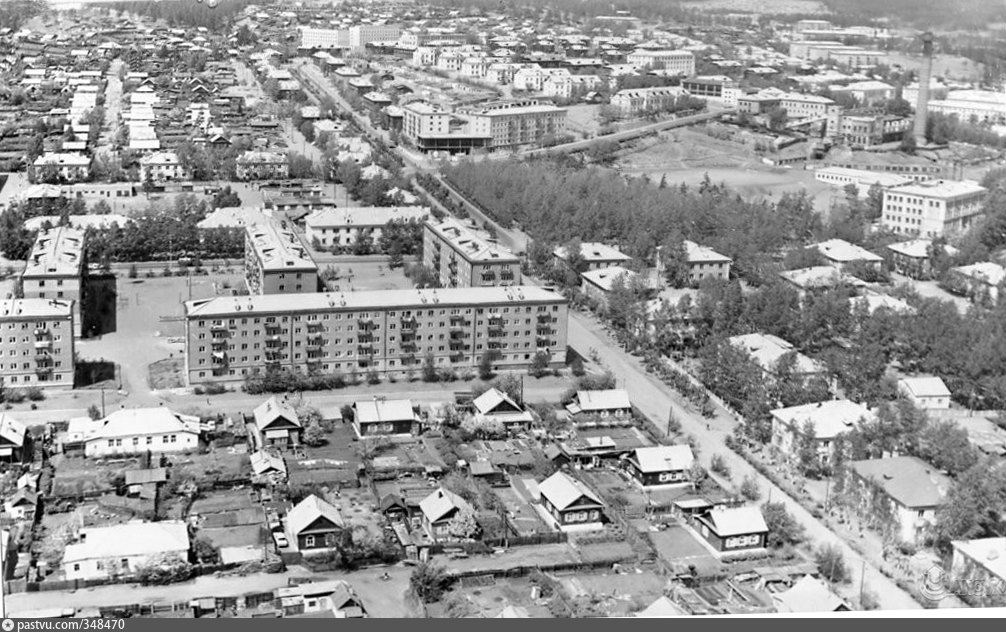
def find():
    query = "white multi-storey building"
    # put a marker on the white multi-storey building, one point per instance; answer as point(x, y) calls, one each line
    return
point(162, 166)
point(679, 61)
point(933, 208)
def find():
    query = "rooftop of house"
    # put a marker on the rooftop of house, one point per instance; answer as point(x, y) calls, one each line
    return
point(365, 216)
point(829, 418)
point(816, 277)
point(608, 399)
point(908, 480)
point(307, 511)
point(593, 251)
point(663, 458)
point(703, 254)
point(766, 350)
point(986, 272)
point(918, 248)
point(808, 594)
point(604, 278)
point(129, 540)
point(279, 247)
point(841, 251)
point(562, 490)
point(384, 410)
point(924, 386)
point(990, 553)
point(732, 521)
point(442, 502)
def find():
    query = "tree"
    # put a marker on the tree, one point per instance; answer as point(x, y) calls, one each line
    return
point(783, 528)
point(205, 552)
point(807, 457)
point(576, 367)
point(92, 411)
point(486, 364)
point(697, 475)
point(314, 436)
point(132, 271)
point(749, 489)
point(831, 564)
point(674, 259)
point(947, 447)
point(463, 525)
point(429, 581)
point(539, 364)
point(429, 368)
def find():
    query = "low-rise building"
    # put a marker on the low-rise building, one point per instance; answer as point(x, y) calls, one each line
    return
point(842, 255)
point(37, 342)
point(67, 167)
point(925, 391)
point(820, 278)
point(598, 283)
point(122, 550)
point(570, 504)
point(766, 350)
point(439, 510)
point(495, 406)
point(733, 529)
point(162, 166)
point(462, 257)
point(138, 430)
point(382, 417)
point(607, 403)
point(342, 227)
point(706, 263)
point(275, 425)
point(334, 597)
point(595, 255)
point(980, 562)
point(980, 282)
point(642, 100)
point(829, 420)
point(913, 489)
point(914, 258)
point(263, 165)
point(933, 208)
point(315, 525)
point(809, 594)
point(277, 261)
point(661, 465)
point(15, 440)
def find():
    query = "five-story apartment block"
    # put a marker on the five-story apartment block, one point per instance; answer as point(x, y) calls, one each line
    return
point(463, 258)
point(277, 261)
point(387, 331)
point(56, 270)
point(36, 342)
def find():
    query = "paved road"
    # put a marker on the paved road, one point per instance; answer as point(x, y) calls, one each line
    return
point(113, 105)
point(656, 399)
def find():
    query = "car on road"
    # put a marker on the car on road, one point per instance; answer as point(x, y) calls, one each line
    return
point(281, 540)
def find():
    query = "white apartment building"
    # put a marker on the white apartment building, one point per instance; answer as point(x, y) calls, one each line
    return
point(36, 342)
point(933, 208)
point(983, 106)
point(324, 39)
point(512, 124)
point(679, 61)
point(363, 34)
point(263, 165)
point(531, 78)
point(343, 226)
point(425, 56)
point(564, 86)
point(646, 99)
point(162, 166)
point(69, 167)
point(861, 178)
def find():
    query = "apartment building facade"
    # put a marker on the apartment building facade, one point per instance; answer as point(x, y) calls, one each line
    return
point(263, 165)
point(36, 342)
point(511, 124)
point(342, 227)
point(277, 261)
point(679, 61)
point(56, 269)
point(463, 258)
point(387, 331)
point(933, 208)
point(162, 166)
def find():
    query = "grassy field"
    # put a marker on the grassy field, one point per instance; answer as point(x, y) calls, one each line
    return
point(946, 66)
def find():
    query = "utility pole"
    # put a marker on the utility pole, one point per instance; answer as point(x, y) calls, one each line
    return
point(862, 582)
point(103, 401)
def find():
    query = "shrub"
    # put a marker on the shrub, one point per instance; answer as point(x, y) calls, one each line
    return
point(215, 389)
point(749, 489)
point(34, 393)
point(429, 581)
point(14, 396)
point(373, 377)
point(831, 564)
point(718, 465)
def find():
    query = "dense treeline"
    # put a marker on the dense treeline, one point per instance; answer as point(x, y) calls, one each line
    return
point(557, 201)
point(13, 13)
point(929, 14)
point(189, 12)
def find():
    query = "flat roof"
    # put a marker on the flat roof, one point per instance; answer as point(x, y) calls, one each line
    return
point(469, 244)
point(594, 251)
point(370, 299)
point(12, 308)
point(941, 188)
point(279, 248)
point(57, 251)
point(844, 252)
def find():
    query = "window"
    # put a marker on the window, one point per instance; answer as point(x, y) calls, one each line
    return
point(309, 541)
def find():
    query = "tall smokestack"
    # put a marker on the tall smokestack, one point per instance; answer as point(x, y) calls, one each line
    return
point(925, 75)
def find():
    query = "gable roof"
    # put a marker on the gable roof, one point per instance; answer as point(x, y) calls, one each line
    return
point(442, 502)
point(140, 477)
point(130, 539)
point(925, 386)
point(263, 462)
point(140, 422)
point(382, 411)
point(664, 458)
point(310, 509)
point(610, 399)
point(12, 430)
point(730, 521)
point(563, 490)
point(808, 595)
point(908, 480)
point(272, 409)
point(663, 607)
point(494, 398)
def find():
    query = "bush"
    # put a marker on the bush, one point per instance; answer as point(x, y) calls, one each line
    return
point(749, 489)
point(718, 464)
point(14, 395)
point(783, 529)
point(164, 572)
point(429, 581)
point(577, 368)
point(373, 377)
point(34, 393)
point(214, 389)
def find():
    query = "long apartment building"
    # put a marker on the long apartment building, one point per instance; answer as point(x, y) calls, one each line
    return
point(679, 61)
point(56, 269)
point(36, 342)
point(277, 261)
point(343, 226)
point(463, 258)
point(933, 208)
point(511, 124)
point(388, 331)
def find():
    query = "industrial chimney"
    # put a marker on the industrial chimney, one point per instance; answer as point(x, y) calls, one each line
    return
point(925, 76)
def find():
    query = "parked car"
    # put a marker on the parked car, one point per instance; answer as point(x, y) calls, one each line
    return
point(281, 540)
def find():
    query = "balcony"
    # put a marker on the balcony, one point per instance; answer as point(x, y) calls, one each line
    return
point(544, 331)
point(458, 357)
point(409, 323)
point(459, 346)
point(316, 340)
point(457, 334)
point(272, 329)
point(365, 337)
point(43, 344)
point(219, 346)
point(43, 359)
point(494, 346)
point(315, 328)
point(43, 370)
point(489, 278)
point(219, 339)
point(221, 358)
point(365, 350)
point(365, 324)
point(544, 318)
point(220, 330)
point(409, 360)
point(273, 356)
point(409, 346)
